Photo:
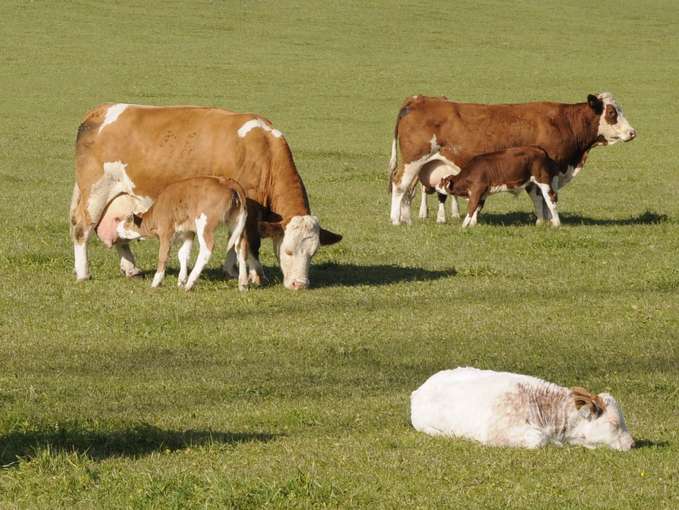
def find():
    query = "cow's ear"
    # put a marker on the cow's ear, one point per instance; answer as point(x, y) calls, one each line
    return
point(270, 229)
point(595, 104)
point(587, 404)
point(326, 237)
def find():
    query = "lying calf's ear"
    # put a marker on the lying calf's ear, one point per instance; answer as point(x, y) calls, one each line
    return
point(326, 237)
point(270, 229)
point(586, 403)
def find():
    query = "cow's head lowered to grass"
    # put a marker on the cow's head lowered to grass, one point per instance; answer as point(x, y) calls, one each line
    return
point(613, 126)
point(295, 244)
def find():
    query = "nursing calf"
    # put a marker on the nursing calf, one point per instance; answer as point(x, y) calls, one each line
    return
point(505, 409)
point(508, 170)
point(193, 208)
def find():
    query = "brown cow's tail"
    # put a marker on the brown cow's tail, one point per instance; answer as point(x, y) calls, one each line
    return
point(238, 201)
point(393, 161)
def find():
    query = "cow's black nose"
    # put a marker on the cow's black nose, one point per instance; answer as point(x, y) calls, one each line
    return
point(632, 134)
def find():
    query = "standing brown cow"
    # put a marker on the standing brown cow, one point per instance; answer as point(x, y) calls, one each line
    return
point(437, 137)
point(139, 150)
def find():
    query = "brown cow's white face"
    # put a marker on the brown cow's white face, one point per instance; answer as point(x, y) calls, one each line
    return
point(613, 126)
point(299, 243)
point(295, 245)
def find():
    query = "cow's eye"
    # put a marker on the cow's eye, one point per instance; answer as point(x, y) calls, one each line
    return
point(288, 253)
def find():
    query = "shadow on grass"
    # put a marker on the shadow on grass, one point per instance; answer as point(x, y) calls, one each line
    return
point(524, 218)
point(330, 274)
point(647, 443)
point(134, 441)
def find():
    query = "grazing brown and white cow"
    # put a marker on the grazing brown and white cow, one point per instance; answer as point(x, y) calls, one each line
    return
point(505, 409)
point(139, 150)
point(437, 136)
point(191, 208)
point(509, 170)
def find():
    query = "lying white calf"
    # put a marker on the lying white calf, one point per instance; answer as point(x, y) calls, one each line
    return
point(505, 409)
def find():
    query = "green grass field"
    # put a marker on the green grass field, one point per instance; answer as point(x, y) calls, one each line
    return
point(116, 395)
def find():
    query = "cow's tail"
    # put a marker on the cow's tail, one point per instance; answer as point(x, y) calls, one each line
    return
point(393, 161)
point(239, 228)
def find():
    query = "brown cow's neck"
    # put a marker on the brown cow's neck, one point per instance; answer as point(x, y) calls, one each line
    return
point(585, 126)
point(288, 196)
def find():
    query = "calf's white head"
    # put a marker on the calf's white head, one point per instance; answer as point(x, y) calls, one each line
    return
point(613, 126)
point(599, 421)
point(295, 244)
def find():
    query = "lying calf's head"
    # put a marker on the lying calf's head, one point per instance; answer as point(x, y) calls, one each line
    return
point(598, 421)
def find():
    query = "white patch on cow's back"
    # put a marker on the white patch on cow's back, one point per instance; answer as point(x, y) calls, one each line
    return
point(112, 114)
point(115, 171)
point(257, 123)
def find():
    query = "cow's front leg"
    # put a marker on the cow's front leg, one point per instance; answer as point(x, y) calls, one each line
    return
point(454, 207)
point(550, 199)
point(441, 212)
point(127, 263)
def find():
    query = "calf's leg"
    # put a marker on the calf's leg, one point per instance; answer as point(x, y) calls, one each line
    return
point(183, 255)
point(205, 228)
point(472, 209)
point(165, 238)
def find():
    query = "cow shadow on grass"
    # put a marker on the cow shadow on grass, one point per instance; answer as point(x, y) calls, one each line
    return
point(134, 441)
point(525, 218)
point(330, 274)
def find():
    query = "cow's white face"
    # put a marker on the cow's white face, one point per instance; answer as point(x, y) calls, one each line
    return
point(613, 126)
point(299, 243)
point(606, 427)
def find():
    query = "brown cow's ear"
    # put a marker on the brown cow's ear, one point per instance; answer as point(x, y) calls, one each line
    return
point(327, 237)
point(595, 104)
point(270, 229)
point(587, 403)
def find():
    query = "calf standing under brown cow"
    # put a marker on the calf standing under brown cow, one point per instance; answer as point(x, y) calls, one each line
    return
point(191, 208)
point(508, 170)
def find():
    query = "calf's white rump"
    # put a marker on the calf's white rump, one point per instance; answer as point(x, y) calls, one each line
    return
point(505, 409)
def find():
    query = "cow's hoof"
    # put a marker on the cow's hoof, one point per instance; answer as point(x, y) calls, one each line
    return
point(132, 272)
point(539, 222)
point(83, 278)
